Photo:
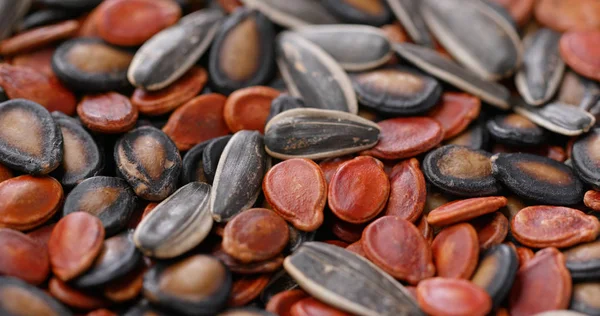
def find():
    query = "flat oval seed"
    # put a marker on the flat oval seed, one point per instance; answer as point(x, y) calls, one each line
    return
point(283, 103)
point(23, 258)
point(149, 161)
point(73, 297)
point(169, 54)
point(38, 37)
point(358, 190)
point(212, 155)
point(491, 229)
point(198, 120)
point(584, 157)
point(293, 15)
point(330, 165)
point(409, 14)
point(310, 306)
point(448, 71)
point(538, 178)
point(553, 226)
point(461, 171)
point(39, 59)
point(371, 12)
point(568, 15)
point(455, 112)
point(177, 224)
point(255, 235)
point(117, 258)
point(455, 251)
point(248, 108)
point(397, 90)
point(517, 130)
point(591, 199)
point(531, 294)
point(250, 32)
point(197, 285)
point(297, 191)
point(75, 242)
point(107, 113)
point(309, 72)
point(444, 296)
point(116, 25)
point(408, 191)
point(349, 39)
point(501, 55)
point(171, 97)
point(558, 117)
point(239, 175)
point(579, 49)
point(89, 64)
point(409, 260)
point(298, 133)
point(246, 288)
point(20, 298)
point(238, 267)
point(496, 272)
point(584, 298)
point(282, 302)
point(110, 199)
point(328, 272)
point(28, 202)
point(463, 210)
point(543, 69)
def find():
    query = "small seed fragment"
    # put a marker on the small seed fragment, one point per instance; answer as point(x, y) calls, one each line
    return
point(445, 296)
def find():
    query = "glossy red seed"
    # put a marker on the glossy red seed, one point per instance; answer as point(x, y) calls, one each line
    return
point(524, 254)
point(491, 229)
point(592, 200)
point(464, 210)
point(408, 191)
point(347, 232)
point(330, 166)
point(564, 15)
point(312, 307)
point(248, 108)
point(38, 37)
point(281, 303)
point(452, 297)
point(247, 288)
point(581, 51)
point(455, 112)
point(108, 113)
point(74, 297)
point(456, 251)
point(23, 257)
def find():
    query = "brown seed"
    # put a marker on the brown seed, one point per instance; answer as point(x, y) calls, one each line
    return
point(267, 266)
point(406, 137)
point(425, 229)
point(255, 235)
point(108, 113)
point(564, 15)
point(38, 37)
point(542, 284)
point(408, 191)
point(169, 98)
point(24, 82)
point(397, 247)
point(42, 234)
point(74, 297)
point(456, 251)
point(358, 190)
point(357, 248)
point(524, 254)
point(455, 112)
point(464, 210)
point(297, 191)
point(247, 288)
point(491, 229)
point(347, 232)
point(282, 302)
point(330, 166)
point(23, 257)
point(311, 306)
point(74, 244)
point(198, 120)
point(125, 288)
point(553, 226)
point(442, 296)
point(132, 22)
point(149, 209)
point(520, 10)
point(591, 199)
point(248, 108)
point(580, 50)
point(39, 59)
point(28, 202)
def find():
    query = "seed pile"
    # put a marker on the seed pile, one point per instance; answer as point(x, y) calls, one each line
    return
point(300, 157)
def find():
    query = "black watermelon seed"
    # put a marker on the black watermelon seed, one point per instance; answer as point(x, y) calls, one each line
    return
point(475, 137)
point(45, 17)
point(585, 298)
point(192, 168)
point(298, 237)
point(372, 12)
point(280, 281)
point(514, 129)
point(283, 103)
point(583, 261)
point(585, 157)
point(20, 298)
point(71, 4)
point(11, 13)
point(496, 272)
point(211, 155)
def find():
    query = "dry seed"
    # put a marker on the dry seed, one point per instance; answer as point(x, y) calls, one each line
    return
point(282, 302)
point(250, 32)
point(177, 224)
point(11, 14)
point(246, 288)
point(330, 165)
point(316, 134)
point(44, 17)
point(520, 10)
point(591, 199)
point(283, 103)
point(585, 298)
point(38, 37)
point(110, 199)
point(280, 281)
point(39, 59)
point(238, 267)
point(463, 210)
point(247, 311)
point(108, 113)
point(239, 175)
point(126, 288)
point(23, 257)
point(584, 157)
point(211, 156)
point(558, 117)
point(579, 49)
point(347, 232)
point(20, 298)
point(496, 272)
point(74, 297)
point(514, 129)
point(370, 12)
point(248, 108)
point(293, 14)
point(524, 254)
point(409, 14)
point(475, 137)
point(354, 47)
point(357, 248)
point(310, 306)
point(491, 229)
point(564, 15)
point(192, 168)
point(309, 72)
point(330, 273)
point(445, 296)
point(408, 191)
point(578, 90)
point(451, 261)
point(583, 261)
point(455, 112)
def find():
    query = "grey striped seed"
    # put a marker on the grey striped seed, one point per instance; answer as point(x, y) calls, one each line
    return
point(558, 117)
point(293, 14)
point(409, 14)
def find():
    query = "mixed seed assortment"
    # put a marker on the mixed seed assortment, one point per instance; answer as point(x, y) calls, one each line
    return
point(300, 157)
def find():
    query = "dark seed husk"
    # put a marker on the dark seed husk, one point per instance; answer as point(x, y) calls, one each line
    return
point(461, 171)
point(211, 155)
point(30, 140)
point(174, 294)
point(583, 261)
point(316, 134)
point(346, 11)
point(397, 90)
point(107, 73)
point(558, 117)
point(177, 224)
point(192, 168)
point(82, 158)
point(20, 298)
point(448, 71)
point(309, 72)
point(293, 14)
point(513, 129)
point(493, 51)
point(283, 103)
point(280, 281)
point(11, 13)
point(117, 258)
point(354, 47)
point(169, 54)
point(475, 137)
point(331, 273)
point(143, 308)
point(409, 14)
point(149, 161)
point(502, 263)
point(248, 31)
point(542, 69)
point(246, 311)
point(585, 158)
point(578, 90)
point(239, 175)
point(538, 178)
point(585, 298)
point(70, 4)
point(110, 199)
point(298, 237)
point(45, 17)
point(3, 96)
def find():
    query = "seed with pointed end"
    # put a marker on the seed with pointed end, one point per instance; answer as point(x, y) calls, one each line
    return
point(496, 272)
point(371, 12)
point(558, 117)
point(444, 296)
point(20, 298)
point(407, 191)
point(295, 14)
